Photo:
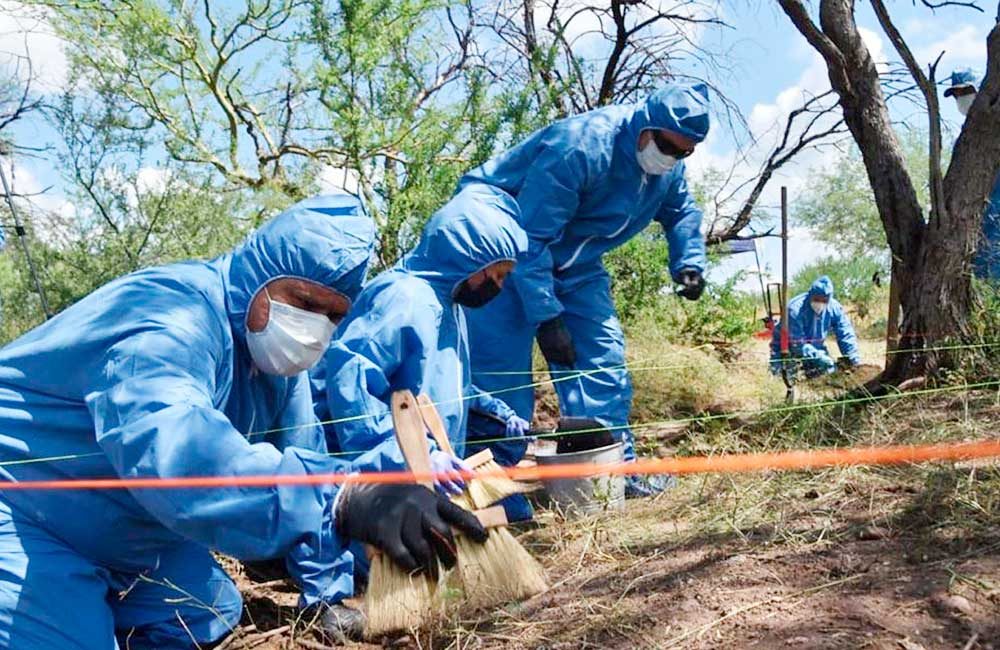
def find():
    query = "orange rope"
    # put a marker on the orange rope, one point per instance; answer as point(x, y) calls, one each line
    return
point(725, 463)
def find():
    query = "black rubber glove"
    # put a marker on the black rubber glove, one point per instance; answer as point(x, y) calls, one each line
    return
point(556, 343)
point(408, 522)
point(693, 283)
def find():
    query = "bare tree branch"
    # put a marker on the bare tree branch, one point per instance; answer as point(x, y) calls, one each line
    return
point(779, 156)
point(928, 88)
point(950, 3)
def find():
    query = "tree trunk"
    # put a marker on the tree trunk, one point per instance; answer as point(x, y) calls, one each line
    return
point(932, 256)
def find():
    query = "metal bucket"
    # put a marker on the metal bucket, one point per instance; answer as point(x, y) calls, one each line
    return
point(576, 497)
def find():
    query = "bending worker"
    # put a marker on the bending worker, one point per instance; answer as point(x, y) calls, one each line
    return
point(165, 373)
point(811, 316)
point(407, 331)
point(986, 263)
point(585, 185)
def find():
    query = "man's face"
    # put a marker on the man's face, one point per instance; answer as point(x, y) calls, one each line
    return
point(304, 294)
point(668, 142)
point(964, 96)
point(498, 272)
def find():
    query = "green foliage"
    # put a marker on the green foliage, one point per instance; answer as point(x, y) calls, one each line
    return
point(723, 316)
point(643, 290)
point(852, 283)
point(839, 207)
point(177, 221)
point(638, 271)
point(265, 96)
point(982, 358)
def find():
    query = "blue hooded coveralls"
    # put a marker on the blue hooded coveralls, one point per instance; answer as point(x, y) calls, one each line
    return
point(150, 376)
point(986, 263)
point(582, 193)
point(406, 332)
point(808, 331)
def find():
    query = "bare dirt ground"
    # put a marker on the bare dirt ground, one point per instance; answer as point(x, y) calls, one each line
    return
point(899, 557)
point(864, 584)
point(835, 573)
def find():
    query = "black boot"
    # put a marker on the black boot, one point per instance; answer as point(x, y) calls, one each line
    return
point(337, 623)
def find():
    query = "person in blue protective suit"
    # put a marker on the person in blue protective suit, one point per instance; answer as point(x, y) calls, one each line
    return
point(407, 331)
point(811, 316)
point(193, 369)
point(986, 263)
point(585, 185)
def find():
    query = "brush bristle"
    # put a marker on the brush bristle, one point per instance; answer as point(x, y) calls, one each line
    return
point(464, 500)
point(488, 490)
point(498, 571)
point(397, 600)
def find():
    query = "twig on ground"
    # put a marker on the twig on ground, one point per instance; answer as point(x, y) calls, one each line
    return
point(971, 642)
point(248, 641)
point(270, 583)
point(312, 645)
point(264, 636)
point(239, 634)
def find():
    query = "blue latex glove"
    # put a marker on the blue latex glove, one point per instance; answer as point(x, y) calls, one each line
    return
point(826, 362)
point(444, 463)
point(517, 426)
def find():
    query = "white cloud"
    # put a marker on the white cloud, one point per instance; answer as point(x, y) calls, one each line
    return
point(154, 180)
point(964, 46)
point(21, 180)
point(338, 180)
point(38, 205)
point(803, 249)
point(26, 32)
point(876, 47)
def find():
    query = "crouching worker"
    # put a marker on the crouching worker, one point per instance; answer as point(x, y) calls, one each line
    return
point(407, 331)
point(165, 373)
point(811, 316)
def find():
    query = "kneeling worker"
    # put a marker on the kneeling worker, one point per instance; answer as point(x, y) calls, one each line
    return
point(811, 316)
point(165, 373)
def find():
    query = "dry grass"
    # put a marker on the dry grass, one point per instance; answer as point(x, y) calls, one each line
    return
point(844, 557)
point(852, 557)
point(838, 558)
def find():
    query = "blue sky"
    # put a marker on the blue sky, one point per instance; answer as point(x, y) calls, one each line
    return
point(773, 68)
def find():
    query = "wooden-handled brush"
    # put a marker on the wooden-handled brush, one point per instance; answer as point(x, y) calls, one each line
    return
point(500, 570)
point(483, 491)
point(397, 600)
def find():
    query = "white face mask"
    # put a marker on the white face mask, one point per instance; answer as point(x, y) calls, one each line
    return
point(292, 341)
point(653, 161)
point(818, 307)
point(965, 102)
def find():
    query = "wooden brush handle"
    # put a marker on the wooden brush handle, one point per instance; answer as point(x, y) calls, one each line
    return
point(492, 517)
point(479, 458)
point(434, 424)
point(411, 435)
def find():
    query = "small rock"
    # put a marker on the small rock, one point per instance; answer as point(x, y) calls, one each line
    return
point(951, 603)
point(811, 494)
point(871, 533)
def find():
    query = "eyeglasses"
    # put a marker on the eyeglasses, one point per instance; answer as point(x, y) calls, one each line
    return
point(667, 147)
